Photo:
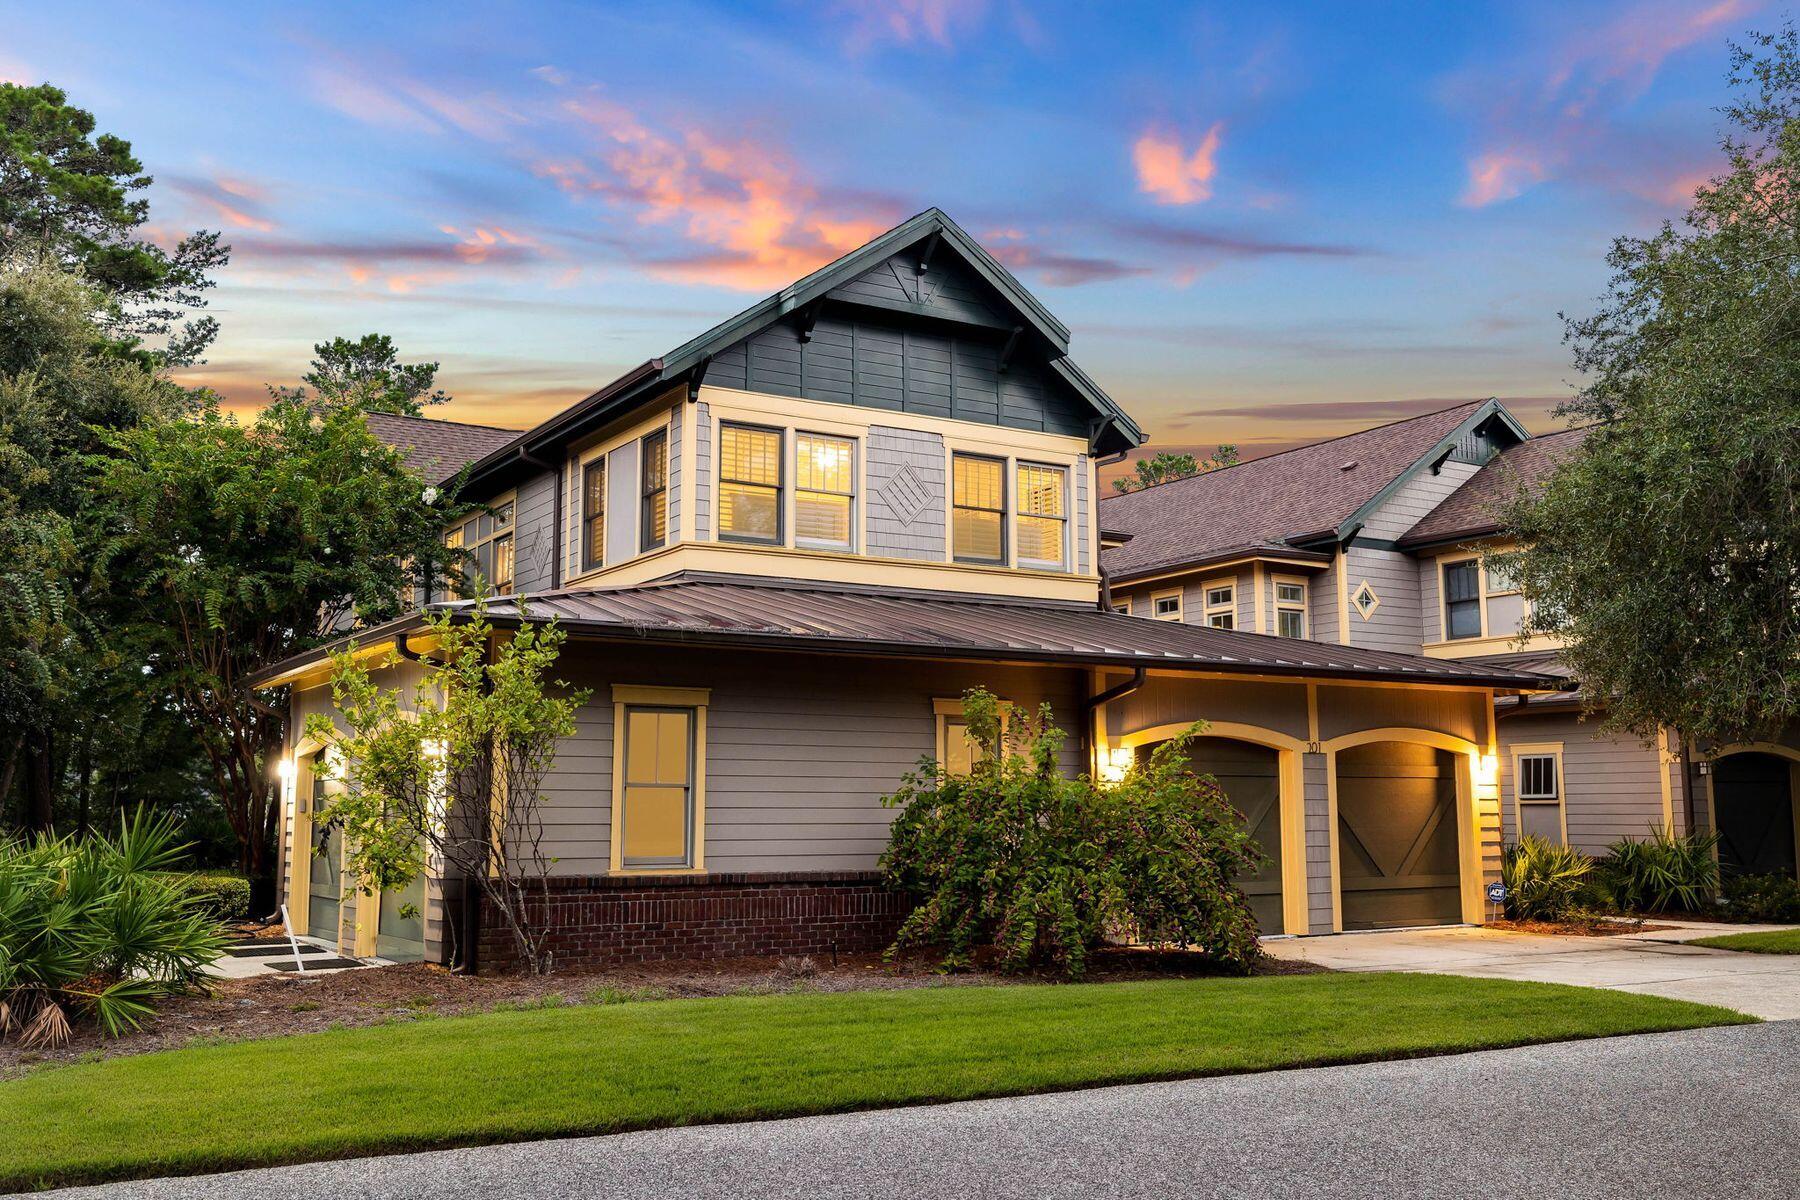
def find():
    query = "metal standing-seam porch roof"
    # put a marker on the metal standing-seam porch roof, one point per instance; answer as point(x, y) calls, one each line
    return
point(750, 612)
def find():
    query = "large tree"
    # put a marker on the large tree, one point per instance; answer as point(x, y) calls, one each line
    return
point(250, 543)
point(78, 195)
point(1667, 552)
point(367, 373)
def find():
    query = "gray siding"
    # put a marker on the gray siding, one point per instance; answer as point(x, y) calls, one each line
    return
point(1322, 599)
point(1079, 498)
point(676, 416)
point(1610, 786)
point(800, 750)
point(907, 496)
point(703, 470)
point(1395, 624)
point(534, 534)
point(1314, 781)
point(1277, 706)
point(1415, 498)
point(1347, 708)
point(622, 502)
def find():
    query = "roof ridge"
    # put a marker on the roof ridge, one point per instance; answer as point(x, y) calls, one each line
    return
point(1436, 412)
point(444, 421)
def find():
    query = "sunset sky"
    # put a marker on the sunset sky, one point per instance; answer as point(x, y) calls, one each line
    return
point(1264, 223)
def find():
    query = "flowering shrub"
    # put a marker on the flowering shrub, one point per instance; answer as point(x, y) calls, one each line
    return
point(1042, 867)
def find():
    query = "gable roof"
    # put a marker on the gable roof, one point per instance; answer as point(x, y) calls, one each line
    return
point(1473, 509)
point(1314, 493)
point(1113, 431)
point(748, 613)
point(434, 448)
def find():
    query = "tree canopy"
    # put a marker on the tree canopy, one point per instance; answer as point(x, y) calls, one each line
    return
point(1666, 553)
point(368, 374)
point(1164, 466)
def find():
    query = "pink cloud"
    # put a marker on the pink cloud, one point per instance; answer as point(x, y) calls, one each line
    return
point(908, 22)
point(235, 203)
point(393, 100)
point(1172, 174)
point(1557, 115)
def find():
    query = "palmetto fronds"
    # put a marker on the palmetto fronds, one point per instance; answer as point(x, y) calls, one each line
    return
point(89, 931)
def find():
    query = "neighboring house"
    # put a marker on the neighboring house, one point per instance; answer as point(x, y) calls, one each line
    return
point(1383, 539)
point(785, 549)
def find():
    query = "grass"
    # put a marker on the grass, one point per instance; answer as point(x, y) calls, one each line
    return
point(1781, 941)
point(609, 1067)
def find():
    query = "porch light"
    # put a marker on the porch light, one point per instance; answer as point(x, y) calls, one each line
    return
point(1115, 763)
point(1487, 770)
point(284, 771)
point(433, 748)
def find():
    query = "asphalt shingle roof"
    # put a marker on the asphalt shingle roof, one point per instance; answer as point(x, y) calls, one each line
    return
point(1473, 509)
point(437, 449)
point(1261, 504)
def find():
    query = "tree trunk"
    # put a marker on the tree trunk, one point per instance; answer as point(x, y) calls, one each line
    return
point(39, 793)
point(85, 788)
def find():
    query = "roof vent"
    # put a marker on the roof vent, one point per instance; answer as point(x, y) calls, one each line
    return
point(1349, 466)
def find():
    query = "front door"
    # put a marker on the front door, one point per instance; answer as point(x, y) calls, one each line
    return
point(325, 878)
point(1755, 814)
point(1398, 860)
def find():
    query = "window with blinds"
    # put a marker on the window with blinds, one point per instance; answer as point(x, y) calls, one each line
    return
point(1462, 599)
point(749, 484)
point(654, 472)
point(978, 509)
point(593, 514)
point(489, 540)
point(1042, 521)
point(824, 491)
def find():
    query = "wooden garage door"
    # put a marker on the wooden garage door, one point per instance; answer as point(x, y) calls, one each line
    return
point(1398, 861)
point(1756, 814)
point(1250, 776)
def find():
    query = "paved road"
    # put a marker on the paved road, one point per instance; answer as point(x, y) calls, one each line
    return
point(1700, 1113)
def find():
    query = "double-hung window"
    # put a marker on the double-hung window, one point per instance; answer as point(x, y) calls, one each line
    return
point(1166, 606)
point(978, 509)
point(1462, 599)
point(656, 802)
point(824, 491)
point(1221, 605)
point(593, 513)
point(1290, 608)
point(1538, 771)
point(654, 471)
point(749, 484)
point(1043, 517)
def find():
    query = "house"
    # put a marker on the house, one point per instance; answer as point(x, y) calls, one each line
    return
point(1383, 539)
point(785, 549)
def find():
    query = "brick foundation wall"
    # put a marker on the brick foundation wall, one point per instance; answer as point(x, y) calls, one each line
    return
point(608, 920)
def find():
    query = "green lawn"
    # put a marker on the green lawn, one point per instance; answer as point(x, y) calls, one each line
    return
point(1783, 941)
point(595, 1069)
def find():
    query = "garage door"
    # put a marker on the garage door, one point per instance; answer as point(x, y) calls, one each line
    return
point(1250, 775)
point(1398, 861)
point(1756, 814)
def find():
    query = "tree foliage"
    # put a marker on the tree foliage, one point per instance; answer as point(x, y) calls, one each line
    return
point(367, 374)
point(246, 544)
point(1165, 466)
point(452, 769)
point(1666, 552)
point(77, 195)
point(1043, 867)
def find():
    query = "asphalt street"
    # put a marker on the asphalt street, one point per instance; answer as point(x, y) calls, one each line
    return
point(1699, 1113)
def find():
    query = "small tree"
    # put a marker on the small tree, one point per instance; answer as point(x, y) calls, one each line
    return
point(450, 773)
point(1043, 867)
point(1164, 466)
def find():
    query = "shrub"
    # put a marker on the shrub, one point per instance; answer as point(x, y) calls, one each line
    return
point(221, 895)
point(1042, 867)
point(1544, 881)
point(1760, 898)
point(93, 929)
point(1666, 872)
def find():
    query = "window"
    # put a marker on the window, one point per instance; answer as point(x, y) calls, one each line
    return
point(1221, 606)
point(1166, 606)
point(655, 474)
point(957, 752)
point(659, 778)
point(1122, 607)
point(978, 509)
point(489, 540)
point(1501, 579)
point(1290, 607)
point(1366, 600)
point(824, 491)
point(1537, 772)
point(749, 484)
point(593, 513)
point(1462, 599)
point(1043, 517)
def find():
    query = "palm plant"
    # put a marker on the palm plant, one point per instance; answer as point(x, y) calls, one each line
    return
point(1665, 872)
point(88, 930)
point(1544, 881)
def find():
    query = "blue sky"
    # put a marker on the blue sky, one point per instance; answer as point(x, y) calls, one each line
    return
point(1264, 223)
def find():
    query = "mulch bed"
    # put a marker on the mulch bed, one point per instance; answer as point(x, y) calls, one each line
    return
point(1601, 927)
point(280, 1005)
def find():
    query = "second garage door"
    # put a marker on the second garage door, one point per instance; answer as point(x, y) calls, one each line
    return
point(1398, 861)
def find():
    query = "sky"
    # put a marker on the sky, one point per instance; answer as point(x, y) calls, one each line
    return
point(1264, 224)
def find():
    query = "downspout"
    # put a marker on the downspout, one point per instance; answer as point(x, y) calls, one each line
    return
point(1689, 806)
point(1093, 704)
point(1105, 589)
point(556, 537)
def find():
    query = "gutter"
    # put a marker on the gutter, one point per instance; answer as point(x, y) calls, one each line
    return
point(1090, 709)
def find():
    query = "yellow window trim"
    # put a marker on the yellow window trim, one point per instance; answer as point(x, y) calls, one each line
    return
point(578, 461)
point(625, 696)
point(1164, 595)
point(1227, 607)
point(1302, 606)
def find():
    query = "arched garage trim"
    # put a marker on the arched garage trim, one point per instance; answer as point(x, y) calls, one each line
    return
point(1468, 831)
point(1773, 749)
point(1288, 750)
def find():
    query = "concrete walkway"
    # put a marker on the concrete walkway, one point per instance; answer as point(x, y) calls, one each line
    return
point(1701, 1113)
point(1764, 985)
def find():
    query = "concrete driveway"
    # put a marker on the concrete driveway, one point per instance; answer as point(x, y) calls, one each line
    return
point(1764, 985)
point(1706, 1112)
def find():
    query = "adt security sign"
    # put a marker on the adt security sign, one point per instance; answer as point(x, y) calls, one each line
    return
point(1496, 893)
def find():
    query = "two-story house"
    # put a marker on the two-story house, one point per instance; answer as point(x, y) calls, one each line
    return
point(785, 549)
point(1383, 539)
